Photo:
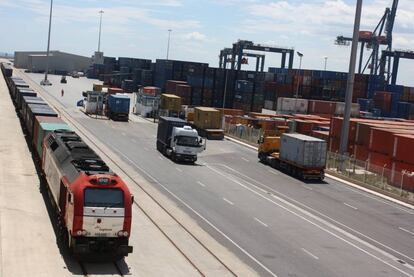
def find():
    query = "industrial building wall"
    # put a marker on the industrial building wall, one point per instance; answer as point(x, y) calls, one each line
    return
point(60, 61)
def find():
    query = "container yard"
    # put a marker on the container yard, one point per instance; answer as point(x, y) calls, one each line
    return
point(265, 160)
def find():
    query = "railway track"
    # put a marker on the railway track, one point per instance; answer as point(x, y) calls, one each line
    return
point(64, 114)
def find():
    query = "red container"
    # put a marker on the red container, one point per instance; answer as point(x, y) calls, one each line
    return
point(382, 100)
point(151, 90)
point(361, 152)
point(378, 161)
point(321, 135)
point(382, 139)
point(171, 86)
point(321, 107)
point(396, 175)
point(115, 90)
point(336, 128)
point(403, 148)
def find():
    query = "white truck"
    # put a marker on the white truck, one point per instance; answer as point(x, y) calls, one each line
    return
point(178, 141)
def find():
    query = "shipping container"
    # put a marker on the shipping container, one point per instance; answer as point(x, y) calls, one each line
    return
point(118, 107)
point(402, 148)
point(207, 118)
point(43, 130)
point(303, 150)
point(170, 102)
point(292, 105)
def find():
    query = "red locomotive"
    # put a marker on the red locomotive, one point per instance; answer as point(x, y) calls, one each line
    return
point(93, 203)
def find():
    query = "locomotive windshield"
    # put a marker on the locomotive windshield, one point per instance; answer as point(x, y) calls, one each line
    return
point(110, 198)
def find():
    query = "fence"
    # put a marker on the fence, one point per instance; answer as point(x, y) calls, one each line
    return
point(243, 132)
point(397, 183)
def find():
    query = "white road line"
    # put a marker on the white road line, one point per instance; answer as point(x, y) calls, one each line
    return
point(261, 222)
point(179, 169)
point(352, 207)
point(321, 214)
point(273, 171)
point(201, 184)
point(326, 223)
point(197, 213)
point(244, 159)
point(405, 230)
point(161, 158)
point(133, 140)
point(306, 187)
point(310, 254)
point(228, 201)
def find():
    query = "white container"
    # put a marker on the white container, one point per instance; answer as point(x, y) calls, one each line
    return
point(305, 151)
point(340, 109)
point(292, 105)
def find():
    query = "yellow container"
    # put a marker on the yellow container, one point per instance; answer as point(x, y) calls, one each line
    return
point(97, 87)
point(170, 102)
point(207, 118)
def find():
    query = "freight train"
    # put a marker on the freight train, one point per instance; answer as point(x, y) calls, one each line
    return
point(93, 204)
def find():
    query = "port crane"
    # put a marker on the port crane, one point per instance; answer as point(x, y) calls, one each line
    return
point(225, 58)
point(382, 35)
point(238, 55)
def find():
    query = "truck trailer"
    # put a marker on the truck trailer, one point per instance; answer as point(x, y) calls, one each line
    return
point(298, 155)
point(118, 107)
point(177, 140)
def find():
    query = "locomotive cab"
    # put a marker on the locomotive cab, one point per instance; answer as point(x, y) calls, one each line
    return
point(93, 203)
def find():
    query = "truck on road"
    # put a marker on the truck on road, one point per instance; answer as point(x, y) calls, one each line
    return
point(177, 140)
point(298, 155)
point(118, 107)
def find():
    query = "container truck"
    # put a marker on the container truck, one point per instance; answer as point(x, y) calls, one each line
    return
point(177, 140)
point(118, 107)
point(298, 155)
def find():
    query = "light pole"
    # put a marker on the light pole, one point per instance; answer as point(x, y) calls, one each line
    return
point(300, 74)
point(224, 98)
point(326, 61)
point(350, 85)
point(168, 45)
point(46, 82)
point(100, 30)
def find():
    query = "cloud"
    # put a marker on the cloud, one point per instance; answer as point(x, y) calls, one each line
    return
point(195, 36)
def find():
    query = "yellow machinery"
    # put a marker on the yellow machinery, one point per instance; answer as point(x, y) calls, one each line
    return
point(268, 146)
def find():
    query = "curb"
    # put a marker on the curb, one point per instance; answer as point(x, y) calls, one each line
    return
point(345, 182)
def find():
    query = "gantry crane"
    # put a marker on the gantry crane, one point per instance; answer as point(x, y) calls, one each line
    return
point(238, 54)
point(226, 57)
point(394, 56)
point(373, 40)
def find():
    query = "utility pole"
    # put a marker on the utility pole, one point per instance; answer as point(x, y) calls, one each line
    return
point(224, 97)
point(297, 90)
point(100, 30)
point(350, 85)
point(168, 45)
point(46, 82)
point(326, 61)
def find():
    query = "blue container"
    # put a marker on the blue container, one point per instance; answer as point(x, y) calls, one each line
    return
point(376, 112)
point(244, 86)
point(118, 107)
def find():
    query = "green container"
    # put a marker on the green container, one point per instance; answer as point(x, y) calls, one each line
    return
point(44, 130)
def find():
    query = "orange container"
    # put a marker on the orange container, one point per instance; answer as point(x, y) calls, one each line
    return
point(361, 152)
point(396, 175)
point(378, 161)
point(402, 148)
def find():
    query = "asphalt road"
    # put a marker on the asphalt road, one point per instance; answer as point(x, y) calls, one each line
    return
point(275, 223)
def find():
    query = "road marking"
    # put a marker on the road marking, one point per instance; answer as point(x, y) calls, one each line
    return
point(244, 159)
point(134, 141)
point(179, 169)
point(228, 201)
point(310, 254)
point(273, 171)
point(405, 230)
point(306, 187)
point(161, 158)
point(352, 207)
point(197, 213)
point(201, 184)
point(261, 222)
point(320, 220)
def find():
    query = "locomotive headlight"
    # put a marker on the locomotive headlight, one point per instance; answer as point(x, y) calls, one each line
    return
point(125, 233)
point(122, 233)
point(79, 232)
point(84, 233)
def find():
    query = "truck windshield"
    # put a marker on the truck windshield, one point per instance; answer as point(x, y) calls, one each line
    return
point(187, 141)
point(110, 198)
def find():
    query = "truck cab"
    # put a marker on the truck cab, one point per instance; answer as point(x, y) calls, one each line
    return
point(178, 140)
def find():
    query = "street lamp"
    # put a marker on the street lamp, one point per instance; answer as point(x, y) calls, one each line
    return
point(168, 45)
point(100, 30)
point(46, 82)
point(326, 61)
point(224, 98)
point(297, 89)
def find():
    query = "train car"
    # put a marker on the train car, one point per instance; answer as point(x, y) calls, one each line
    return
point(93, 203)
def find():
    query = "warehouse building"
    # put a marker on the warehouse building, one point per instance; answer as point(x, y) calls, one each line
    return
point(58, 61)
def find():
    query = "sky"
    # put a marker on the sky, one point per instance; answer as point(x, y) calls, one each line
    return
point(200, 28)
